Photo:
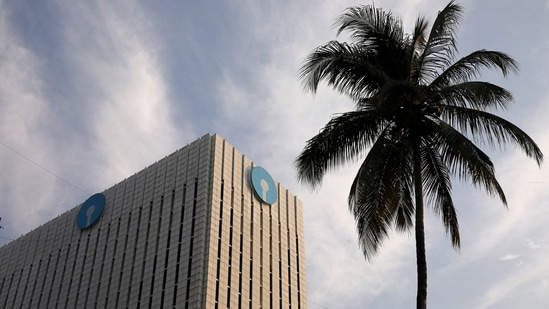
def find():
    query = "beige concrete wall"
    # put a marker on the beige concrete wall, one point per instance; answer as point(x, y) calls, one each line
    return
point(186, 232)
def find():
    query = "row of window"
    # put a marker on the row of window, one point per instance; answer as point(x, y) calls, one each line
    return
point(284, 299)
point(85, 273)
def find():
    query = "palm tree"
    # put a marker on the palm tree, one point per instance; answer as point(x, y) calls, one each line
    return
point(418, 116)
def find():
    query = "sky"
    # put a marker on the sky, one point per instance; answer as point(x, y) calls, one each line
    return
point(92, 92)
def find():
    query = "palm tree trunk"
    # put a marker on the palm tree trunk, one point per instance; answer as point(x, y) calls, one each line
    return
point(420, 231)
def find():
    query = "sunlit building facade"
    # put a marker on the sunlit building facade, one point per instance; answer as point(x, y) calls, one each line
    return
point(202, 228)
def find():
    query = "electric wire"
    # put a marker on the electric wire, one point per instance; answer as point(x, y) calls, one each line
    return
point(43, 168)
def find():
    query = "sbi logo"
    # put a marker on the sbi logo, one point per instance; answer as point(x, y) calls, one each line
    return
point(263, 185)
point(90, 211)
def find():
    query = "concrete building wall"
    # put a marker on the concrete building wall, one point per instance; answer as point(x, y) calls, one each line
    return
point(186, 232)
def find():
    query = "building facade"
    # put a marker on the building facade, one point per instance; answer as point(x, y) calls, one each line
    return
point(202, 228)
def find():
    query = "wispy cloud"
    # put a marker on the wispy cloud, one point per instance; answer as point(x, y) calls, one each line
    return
point(96, 90)
point(23, 128)
point(509, 257)
point(532, 245)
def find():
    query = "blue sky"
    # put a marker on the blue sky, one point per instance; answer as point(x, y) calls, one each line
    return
point(94, 91)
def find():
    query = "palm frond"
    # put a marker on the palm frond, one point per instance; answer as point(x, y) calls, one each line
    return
point(369, 25)
point(404, 209)
point(380, 194)
point(475, 94)
point(438, 187)
point(340, 141)
point(440, 48)
point(469, 67)
point(380, 35)
point(417, 47)
point(496, 131)
point(346, 68)
point(465, 160)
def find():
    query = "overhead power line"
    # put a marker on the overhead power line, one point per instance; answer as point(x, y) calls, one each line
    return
point(42, 167)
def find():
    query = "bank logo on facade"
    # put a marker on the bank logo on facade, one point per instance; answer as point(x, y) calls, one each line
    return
point(90, 211)
point(263, 185)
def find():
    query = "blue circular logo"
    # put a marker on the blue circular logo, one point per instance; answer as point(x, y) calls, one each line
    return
point(90, 211)
point(263, 185)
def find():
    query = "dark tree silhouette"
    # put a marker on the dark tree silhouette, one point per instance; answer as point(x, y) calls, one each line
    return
point(418, 114)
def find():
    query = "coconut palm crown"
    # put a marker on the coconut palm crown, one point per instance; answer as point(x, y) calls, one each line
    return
point(419, 115)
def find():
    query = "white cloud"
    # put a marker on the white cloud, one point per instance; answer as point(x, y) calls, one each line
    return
point(532, 244)
point(526, 287)
point(118, 99)
point(129, 107)
point(488, 230)
point(509, 257)
point(26, 147)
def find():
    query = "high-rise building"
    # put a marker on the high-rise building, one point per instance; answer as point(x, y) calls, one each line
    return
point(202, 228)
